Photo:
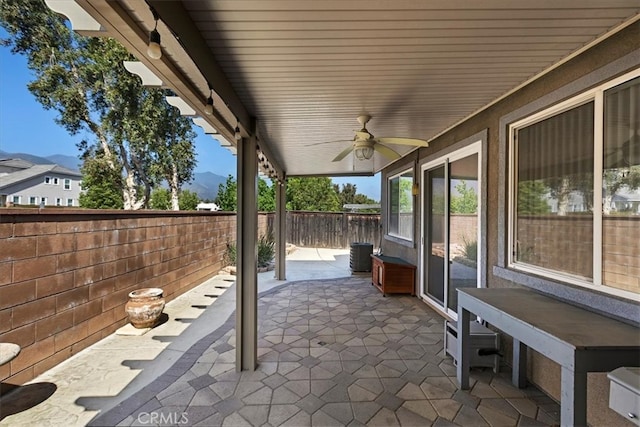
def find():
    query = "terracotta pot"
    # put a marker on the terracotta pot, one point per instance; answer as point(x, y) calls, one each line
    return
point(145, 307)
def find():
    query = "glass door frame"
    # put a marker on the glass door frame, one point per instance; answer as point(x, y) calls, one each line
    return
point(446, 160)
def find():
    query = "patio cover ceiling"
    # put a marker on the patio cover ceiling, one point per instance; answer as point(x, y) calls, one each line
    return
point(304, 70)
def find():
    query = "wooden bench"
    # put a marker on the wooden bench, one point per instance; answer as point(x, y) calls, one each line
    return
point(579, 340)
point(392, 275)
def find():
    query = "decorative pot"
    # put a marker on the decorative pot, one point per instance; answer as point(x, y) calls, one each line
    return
point(145, 307)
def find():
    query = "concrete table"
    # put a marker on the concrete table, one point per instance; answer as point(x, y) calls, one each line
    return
point(578, 340)
point(8, 352)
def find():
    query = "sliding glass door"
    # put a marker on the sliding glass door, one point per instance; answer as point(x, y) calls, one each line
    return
point(450, 231)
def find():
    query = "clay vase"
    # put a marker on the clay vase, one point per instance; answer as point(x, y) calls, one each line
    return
point(145, 307)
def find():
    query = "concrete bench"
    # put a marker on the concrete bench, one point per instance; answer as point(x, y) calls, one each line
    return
point(579, 340)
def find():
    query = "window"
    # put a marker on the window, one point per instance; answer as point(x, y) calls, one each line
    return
point(575, 189)
point(67, 184)
point(47, 180)
point(56, 181)
point(33, 200)
point(43, 201)
point(69, 202)
point(58, 201)
point(401, 205)
point(16, 200)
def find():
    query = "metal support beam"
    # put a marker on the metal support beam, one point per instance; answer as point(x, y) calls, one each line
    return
point(281, 230)
point(247, 257)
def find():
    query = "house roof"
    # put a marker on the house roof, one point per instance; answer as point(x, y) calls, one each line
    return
point(33, 171)
point(16, 163)
point(298, 73)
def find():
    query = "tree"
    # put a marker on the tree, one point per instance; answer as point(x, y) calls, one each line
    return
point(532, 198)
point(160, 199)
point(84, 80)
point(227, 197)
point(188, 200)
point(466, 200)
point(312, 194)
point(101, 185)
point(266, 196)
point(348, 195)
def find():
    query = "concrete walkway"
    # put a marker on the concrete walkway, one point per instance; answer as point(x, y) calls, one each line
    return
point(112, 370)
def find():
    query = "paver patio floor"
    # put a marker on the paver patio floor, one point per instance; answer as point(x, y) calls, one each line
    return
point(332, 352)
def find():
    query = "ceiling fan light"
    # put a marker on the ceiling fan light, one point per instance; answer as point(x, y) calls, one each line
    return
point(363, 153)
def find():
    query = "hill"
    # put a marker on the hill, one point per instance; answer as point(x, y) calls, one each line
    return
point(205, 184)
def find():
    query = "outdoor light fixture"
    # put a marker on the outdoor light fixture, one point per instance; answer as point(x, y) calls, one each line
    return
point(154, 50)
point(208, 109)
point(237, 134)
point(363, 152)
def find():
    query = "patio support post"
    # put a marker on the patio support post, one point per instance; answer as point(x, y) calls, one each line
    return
point(281, 230)
point(246, 244)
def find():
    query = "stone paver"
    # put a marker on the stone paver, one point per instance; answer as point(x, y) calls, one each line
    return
point(369, 361)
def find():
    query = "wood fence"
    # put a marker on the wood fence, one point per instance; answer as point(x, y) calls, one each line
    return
point(332, 229)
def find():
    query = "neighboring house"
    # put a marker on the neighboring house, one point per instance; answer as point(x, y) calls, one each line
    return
point(26, 183)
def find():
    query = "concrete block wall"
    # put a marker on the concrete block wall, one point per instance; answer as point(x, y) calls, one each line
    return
point(65, 275)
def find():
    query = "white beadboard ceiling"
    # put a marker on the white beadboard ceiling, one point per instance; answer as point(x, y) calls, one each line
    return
point(305, 69)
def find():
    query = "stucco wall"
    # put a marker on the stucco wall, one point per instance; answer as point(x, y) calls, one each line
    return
point(65, 275)
point(621, 48)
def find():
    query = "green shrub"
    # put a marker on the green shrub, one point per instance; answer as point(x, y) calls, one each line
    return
point(266, 251)
point(470, 249)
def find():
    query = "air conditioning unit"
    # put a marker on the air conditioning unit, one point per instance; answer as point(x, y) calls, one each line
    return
point(360, 257)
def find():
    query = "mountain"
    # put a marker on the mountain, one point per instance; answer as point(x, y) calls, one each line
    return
point(205, 184)
point(69, 162)
point(28, 157)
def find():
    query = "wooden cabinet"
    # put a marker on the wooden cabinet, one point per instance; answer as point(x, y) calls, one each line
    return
point(393, 275)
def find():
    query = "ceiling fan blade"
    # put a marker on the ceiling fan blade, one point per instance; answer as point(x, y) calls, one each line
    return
point(404, 141)
point(343, 154)
point(328, 142)
point(386, 151)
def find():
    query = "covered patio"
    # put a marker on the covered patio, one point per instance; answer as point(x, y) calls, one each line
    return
point(286, 81)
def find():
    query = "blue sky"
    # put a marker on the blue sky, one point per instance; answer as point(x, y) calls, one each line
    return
point(26, 127)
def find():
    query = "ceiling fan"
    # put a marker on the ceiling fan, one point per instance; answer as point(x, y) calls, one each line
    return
point(364, 144)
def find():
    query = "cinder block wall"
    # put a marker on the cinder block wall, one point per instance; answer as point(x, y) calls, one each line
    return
point(65, 275)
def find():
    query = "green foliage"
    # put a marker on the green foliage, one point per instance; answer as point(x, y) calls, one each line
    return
point(101, 185)
point(227, 197)
point(466, 200)
point(348, 195)
point(230, 254)
point(531, 198)
point(312, 194)
point(160, 199)
point(266, 249)
point(188, 200)
point(470, 249)
point(266, 196)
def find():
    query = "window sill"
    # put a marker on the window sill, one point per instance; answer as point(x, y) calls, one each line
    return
point(604, 303)
point(399, 240)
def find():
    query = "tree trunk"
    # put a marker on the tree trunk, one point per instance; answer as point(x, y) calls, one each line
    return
point(173, 184)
